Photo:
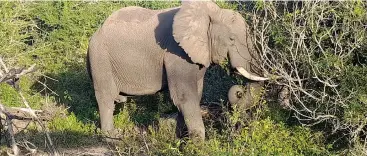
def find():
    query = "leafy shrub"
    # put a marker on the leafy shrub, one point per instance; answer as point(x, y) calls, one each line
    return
point(322, 47)
point(262, 137)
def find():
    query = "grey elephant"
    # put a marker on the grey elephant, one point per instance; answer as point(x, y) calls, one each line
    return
point(138, 51)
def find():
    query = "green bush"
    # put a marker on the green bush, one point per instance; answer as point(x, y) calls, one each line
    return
point(264, 137)
point(323, 46)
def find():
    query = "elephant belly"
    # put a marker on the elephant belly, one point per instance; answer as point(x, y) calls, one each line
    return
point(139, 79)
point(138, 70)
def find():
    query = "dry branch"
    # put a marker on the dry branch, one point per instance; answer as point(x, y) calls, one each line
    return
point(11, 77)
point(9, 126)
point(14, 74)
point(294, 41)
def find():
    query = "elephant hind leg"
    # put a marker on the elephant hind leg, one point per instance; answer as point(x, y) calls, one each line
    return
point(106, 108)
point(105, 89)
point(106, 94)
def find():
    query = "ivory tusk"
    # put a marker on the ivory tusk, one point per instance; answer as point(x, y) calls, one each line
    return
point(246, 74)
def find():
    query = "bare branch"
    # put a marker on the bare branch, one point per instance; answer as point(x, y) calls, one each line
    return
point(307, 48)
point(16, 73)
point(11, 75)
point(3, 65)
point(9, 123)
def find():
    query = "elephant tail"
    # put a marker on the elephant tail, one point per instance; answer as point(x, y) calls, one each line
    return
point(88, 65)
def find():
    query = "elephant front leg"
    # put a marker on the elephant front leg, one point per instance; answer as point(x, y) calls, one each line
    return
point(185, 96)
point(193, 120)
point(185, 87)
point(190, 115)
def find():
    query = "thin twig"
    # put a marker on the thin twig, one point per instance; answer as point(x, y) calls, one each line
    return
point(3, 65)
point(41, 124)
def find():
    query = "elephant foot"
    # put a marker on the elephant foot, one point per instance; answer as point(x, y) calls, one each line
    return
point(197, 136)
point(196, 133)
point(111, 141)
point(111, 136)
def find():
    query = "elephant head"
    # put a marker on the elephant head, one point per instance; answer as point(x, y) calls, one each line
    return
point(209, 34)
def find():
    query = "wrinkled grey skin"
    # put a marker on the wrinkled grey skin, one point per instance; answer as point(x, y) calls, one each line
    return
point(138, 51)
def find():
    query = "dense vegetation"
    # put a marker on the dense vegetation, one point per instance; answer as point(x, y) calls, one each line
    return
point(323, 46)
point(54, 36)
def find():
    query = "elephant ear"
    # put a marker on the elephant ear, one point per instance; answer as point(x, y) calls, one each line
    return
point(190, 29)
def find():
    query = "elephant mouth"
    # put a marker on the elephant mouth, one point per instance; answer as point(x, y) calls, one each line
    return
point(250, 76)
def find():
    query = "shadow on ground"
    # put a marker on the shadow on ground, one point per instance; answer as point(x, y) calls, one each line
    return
point(74, 91)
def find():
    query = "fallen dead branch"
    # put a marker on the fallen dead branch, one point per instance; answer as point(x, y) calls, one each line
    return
point(9, 126)
point(19, 113)
point(11, 77)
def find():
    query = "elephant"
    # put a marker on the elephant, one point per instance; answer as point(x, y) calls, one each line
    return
point(138, 51)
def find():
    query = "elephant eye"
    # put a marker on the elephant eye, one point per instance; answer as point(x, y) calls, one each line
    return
point(232, 38)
